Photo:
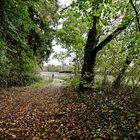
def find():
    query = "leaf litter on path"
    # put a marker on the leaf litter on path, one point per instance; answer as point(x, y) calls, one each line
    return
point(58, 113)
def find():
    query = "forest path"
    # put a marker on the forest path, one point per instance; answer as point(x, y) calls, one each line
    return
point(30, 113)
point(56, 83)
point(56, 112)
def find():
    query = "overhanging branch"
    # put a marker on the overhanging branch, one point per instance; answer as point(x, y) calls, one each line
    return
point(111, 36)
point(65, 8)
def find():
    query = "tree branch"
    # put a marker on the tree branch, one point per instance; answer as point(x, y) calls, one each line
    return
point(65, 8)
point(111, 36)
point(137, 14)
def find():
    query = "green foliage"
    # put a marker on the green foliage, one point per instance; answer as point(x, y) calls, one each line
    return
point(72, 81)
point(78, 21)
point(72, 37)
point(111, 60)
point(25, 39)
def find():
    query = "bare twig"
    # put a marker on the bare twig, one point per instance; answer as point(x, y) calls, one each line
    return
point(137, 14)
point(111, 36)
point(65, 8)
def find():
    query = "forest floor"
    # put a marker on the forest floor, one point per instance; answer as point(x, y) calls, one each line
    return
point(56, 112)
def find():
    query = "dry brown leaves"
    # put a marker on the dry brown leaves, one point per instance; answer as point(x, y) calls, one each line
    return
point(29, 114)
point(58, 113)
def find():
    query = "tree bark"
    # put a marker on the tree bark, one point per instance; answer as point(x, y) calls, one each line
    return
point(91, 50)
point(87, 76)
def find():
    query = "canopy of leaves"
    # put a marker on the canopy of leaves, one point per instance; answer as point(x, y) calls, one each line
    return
point(78, 21)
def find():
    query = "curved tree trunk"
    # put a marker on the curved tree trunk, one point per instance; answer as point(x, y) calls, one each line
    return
point(117, 82)
point(87, 77)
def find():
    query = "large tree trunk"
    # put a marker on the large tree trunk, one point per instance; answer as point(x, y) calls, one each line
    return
point(117, 82)
point(87, 76)
point(91, 50)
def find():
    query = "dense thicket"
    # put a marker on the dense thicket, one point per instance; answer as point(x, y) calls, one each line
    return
point(25, 38)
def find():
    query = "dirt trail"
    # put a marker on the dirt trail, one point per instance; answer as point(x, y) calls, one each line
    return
point(29, 113)
point(59, 113)
point(56, 83)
